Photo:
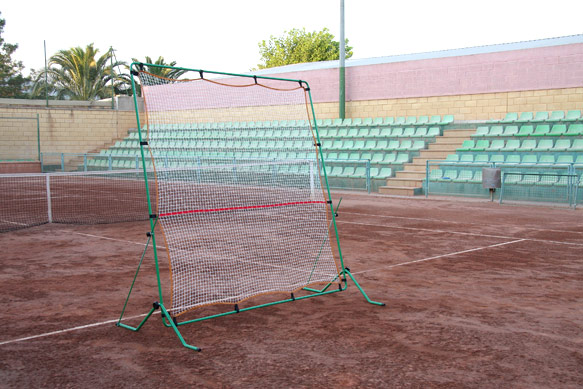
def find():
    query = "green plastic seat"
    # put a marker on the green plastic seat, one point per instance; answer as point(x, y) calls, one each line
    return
point(374, 133)
point(562, 145)
point(435, 174)
point(572, 116)
point(365, 155)
point(411, 120)
point(468, 158)
point(435, 119)
point(369, 145)
point(400, 120)
point(496, 145)
point(542, 116)
point(541, 130)
point(389, 158)
point(510, 178)
point(513, 158)
point(359, 172)
point(577, 145)
point(525, 130)
point(511, 145)
point(565, 159)
point(358, 144)
point(418, 145)
point(544, 145)
point(377, 157)
point(402, 158)
point(556, 116)
point(374, 172)
point(558, 130)
point(449, 175)
point(352, 133)
point(408, 132)
point(575, 130)
point(481, 145)
point(393, 145)
point(421, 132)
point(421, 120)
point(447, 119)
point(525, 117)
point(510, 117)
point(467, 145)
point(385, 132)
point(389, 121)
point(496, 131)
point(382, 145)
point(385, 172)
point(348, 171)
point(433, 132)
point(405, 145)
point(377, 121)
point(464, 175)
point(546, 159)
point(529, 159)
point(452, 158)
point(481, 131)
point(527, 145)
point(397, 132)
point(481, 158)
point(497, 158)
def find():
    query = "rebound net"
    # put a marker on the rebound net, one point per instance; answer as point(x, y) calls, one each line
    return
point(239, 219)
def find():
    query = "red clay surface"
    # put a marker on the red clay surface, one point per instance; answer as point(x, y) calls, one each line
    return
point(477, 294)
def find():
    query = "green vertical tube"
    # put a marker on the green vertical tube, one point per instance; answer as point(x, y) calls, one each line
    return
point(342, 81)
point(150, 210)
point(38, 135)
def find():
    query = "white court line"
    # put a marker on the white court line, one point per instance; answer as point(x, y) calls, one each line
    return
point(70, 329)
point(440, 256)
point(15, 223)
point(454, 222)
point(460, 233)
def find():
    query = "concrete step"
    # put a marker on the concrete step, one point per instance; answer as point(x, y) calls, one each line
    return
point(414, 174)
point(399, 191)
point(405, 182)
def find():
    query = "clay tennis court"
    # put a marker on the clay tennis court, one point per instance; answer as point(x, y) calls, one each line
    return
point(477, 295)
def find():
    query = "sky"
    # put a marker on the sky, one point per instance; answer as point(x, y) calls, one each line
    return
point(223, 35)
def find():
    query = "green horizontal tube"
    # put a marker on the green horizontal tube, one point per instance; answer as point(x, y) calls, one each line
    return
point(260, 306)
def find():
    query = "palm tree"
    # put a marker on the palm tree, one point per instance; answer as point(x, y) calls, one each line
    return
point(76, 74)
point(162, 71)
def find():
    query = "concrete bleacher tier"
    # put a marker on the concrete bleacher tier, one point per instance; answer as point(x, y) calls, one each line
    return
point(528, 142)
point(350, 146)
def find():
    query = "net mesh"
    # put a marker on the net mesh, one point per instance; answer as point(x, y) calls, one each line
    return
point(28, 200)
point(243, 220)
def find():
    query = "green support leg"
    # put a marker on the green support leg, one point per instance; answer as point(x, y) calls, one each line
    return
point(346, 271)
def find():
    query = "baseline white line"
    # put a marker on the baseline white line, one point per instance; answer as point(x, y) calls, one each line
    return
point(460, 233)
point(454, 222)
point(440, 256)
point(70, 329)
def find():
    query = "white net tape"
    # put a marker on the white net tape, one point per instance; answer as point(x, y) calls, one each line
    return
point(238, 221)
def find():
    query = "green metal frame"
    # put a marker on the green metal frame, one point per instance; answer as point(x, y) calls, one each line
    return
point(168, 320)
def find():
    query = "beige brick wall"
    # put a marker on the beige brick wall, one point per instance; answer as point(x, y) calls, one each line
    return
point(86, 130)
point(70, 130)
point(464, 107)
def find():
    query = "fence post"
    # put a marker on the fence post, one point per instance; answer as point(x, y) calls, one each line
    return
point(84, 162)
point(502, 188)
point(427, 179)
point(368, 183)
point(62, 162)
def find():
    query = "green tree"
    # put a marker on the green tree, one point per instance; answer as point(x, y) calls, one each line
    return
point(77, 74)
point(162, 72)
point(299, 46)
point(12, 82)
